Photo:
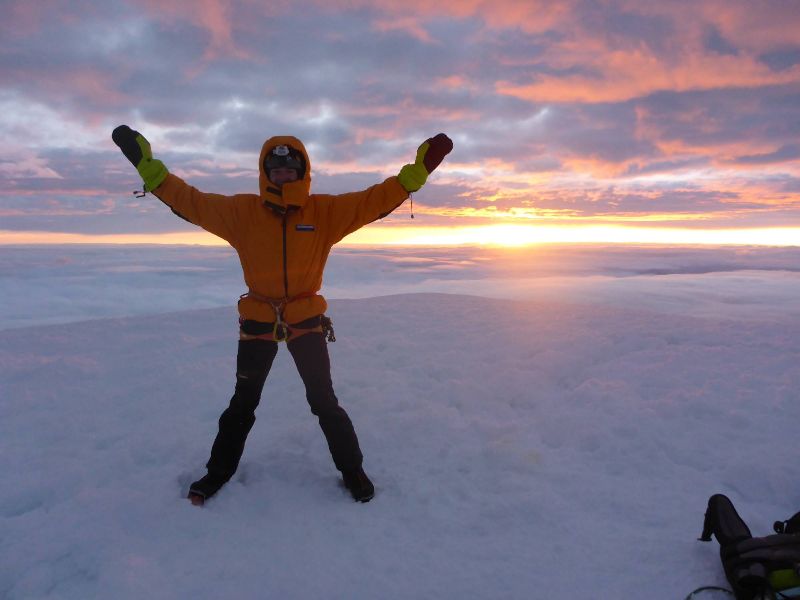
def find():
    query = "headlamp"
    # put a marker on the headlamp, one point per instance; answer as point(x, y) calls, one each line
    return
point(285, 157)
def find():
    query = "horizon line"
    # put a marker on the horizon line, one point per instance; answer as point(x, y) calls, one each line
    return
point(507, 235)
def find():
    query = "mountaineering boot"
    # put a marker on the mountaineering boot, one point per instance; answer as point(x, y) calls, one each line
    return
point(205, 487)
point(358, 483)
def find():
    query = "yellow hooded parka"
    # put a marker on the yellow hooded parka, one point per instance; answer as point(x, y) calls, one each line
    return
point(282, 236)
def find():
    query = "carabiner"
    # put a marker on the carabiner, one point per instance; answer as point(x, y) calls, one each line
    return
point(280, 332)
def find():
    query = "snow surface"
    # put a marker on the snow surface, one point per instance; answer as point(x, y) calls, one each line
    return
point(561, 444)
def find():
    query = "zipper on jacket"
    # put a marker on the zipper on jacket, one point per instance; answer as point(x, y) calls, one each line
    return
point(285, 269)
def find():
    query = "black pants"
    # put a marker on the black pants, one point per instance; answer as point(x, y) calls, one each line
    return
point(253, 362)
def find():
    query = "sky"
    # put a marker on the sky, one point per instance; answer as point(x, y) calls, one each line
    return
point(677, 121)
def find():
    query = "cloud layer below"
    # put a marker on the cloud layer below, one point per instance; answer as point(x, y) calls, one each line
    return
point(43, 285)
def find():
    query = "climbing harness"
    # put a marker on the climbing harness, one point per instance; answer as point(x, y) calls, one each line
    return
point(280, 330)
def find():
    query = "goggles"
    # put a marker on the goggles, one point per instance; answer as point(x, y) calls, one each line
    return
point(285, 157)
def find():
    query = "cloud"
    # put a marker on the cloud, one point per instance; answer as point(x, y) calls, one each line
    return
point(782, 58)
point(557, 109)
point(782, 154)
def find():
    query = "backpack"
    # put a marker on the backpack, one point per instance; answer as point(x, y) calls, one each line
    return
point(758, 568)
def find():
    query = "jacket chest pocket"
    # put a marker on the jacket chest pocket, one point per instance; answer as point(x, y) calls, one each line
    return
point(303, 239)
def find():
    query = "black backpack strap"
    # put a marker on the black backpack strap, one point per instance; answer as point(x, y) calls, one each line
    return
point(790, 526)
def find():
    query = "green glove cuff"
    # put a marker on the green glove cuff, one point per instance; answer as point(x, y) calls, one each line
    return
point(413, 177)
point(136, 149)
point(152, 171)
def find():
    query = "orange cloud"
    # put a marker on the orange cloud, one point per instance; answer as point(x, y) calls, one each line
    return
point(753, 26)
point(528, 15)
point(455, 82)
point(408, 24)
point(624, 66)
point(211, 15)
point(633, 74)
point(25, 164)
point(96, 84)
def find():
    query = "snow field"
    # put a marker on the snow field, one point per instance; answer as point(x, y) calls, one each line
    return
point(520, 449)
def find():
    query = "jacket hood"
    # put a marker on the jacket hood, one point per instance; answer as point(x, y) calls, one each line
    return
point(294, 193)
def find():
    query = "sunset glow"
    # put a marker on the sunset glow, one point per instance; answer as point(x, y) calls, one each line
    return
point(487, 235)
point(573, 122)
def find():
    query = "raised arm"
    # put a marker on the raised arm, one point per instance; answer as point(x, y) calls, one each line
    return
point(349, 212)
point(215, 213)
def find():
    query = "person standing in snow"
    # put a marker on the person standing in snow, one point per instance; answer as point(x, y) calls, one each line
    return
point(283, 236)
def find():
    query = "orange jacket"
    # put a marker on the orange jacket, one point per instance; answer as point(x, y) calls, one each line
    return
point(283, 236)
